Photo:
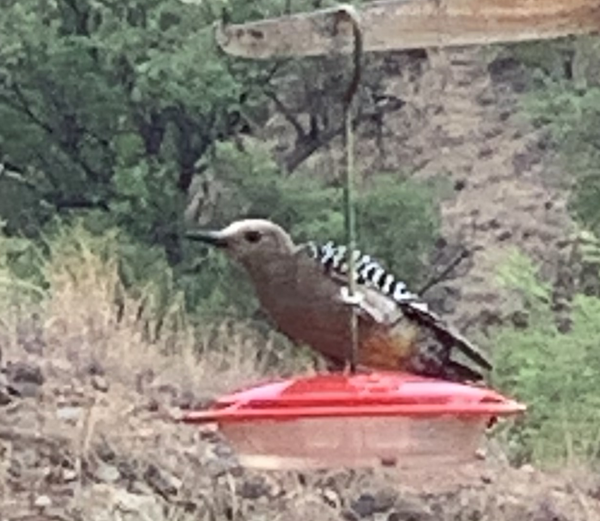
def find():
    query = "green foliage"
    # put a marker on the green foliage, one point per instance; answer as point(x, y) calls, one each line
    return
point(556, 374)
point(108, 106)
point(518, 273)
point(110, 110)
point(565, 102)
point(20, 281)
point(398, 221)
point(549, 59)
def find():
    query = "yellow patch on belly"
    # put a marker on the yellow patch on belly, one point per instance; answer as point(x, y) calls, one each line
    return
point(389, 350)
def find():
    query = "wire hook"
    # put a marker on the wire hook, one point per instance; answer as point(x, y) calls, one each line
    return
point(348, 13)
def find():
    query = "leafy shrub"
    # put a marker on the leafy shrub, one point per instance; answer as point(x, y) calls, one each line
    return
point(564, 101)
point(556, 374)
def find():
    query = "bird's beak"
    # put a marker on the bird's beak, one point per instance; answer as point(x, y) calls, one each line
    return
point(209, 237)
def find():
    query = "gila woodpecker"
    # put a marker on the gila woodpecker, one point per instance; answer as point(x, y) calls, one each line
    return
point(303, 290)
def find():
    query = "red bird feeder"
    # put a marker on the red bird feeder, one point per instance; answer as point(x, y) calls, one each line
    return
point(337, 420)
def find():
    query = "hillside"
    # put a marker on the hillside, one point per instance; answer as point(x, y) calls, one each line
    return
point(461, 124)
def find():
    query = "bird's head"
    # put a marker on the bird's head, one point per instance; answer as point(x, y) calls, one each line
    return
point(252, 242)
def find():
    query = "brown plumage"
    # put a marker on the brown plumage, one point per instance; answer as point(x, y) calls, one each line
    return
point(305, 301)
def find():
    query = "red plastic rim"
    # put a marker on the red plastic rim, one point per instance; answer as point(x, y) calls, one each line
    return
point(360, 395)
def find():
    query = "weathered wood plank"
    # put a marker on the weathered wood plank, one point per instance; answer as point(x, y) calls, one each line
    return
point(409, 24)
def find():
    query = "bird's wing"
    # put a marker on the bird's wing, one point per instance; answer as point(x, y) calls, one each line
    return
point(378, 282)
point(372, 306)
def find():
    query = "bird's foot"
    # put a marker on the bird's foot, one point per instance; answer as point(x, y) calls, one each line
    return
point(347, 369)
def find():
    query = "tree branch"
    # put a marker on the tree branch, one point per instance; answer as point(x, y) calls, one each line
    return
point(443, 275)
point(74, 155)
point(309, 146)
point(78, 203)
point(14, 173)
point(287, 114)
point(58, 202)
point(24, 109)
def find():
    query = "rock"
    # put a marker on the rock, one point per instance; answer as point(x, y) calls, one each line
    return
point(364, 506)
point(547, 511)
point(486, 97)
point(168, 390)
point(379, 502)
point(99, 383)
point(25, 390)
point(24, 379)
point(254, 487)
point(331, 498)
point(411, 509)
point(162, 482)
point(105, 452)
point(384, 500)
point(504, 235)
point(186, 401)
point(102, 502)
point(143, 379)
point(487, 478)
point(18, 372)
point(107, 473)
point(5, 396)
point(129, 470)
point(30, 334)
point(94, 368)
point(140, 487)
point(520, 319)
point(527, 469)
point(69, 413)
point(69, 475)
point(153, 405)
point(349, 515)
point(460, 185)
point(42, 502)
point(485, 151)
point(214, 468)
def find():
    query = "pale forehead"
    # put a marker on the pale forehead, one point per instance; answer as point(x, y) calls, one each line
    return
point(249, 224)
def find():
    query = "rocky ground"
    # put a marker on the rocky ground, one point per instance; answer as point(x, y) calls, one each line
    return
point(91, 435)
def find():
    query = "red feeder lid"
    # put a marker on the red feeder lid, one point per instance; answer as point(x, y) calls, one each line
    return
point(358, 395)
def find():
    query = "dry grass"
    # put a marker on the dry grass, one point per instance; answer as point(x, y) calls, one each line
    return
point(89, 327)
point(90, 319)
point(64, 441)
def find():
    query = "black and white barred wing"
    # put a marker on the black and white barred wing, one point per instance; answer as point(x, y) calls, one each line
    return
point(367, 271)
point(371, 274)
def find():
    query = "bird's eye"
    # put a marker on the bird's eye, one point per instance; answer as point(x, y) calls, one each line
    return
point(252, 236)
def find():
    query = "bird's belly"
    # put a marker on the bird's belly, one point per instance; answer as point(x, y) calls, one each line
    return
point(388, 351)
point(327, 331)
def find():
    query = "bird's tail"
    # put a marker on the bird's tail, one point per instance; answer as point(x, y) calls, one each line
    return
point(450, 356)
point(457, 372)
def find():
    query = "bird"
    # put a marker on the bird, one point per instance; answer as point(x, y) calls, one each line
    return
point(303, 288)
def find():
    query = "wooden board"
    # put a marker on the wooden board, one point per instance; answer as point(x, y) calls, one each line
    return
point(410, 24)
